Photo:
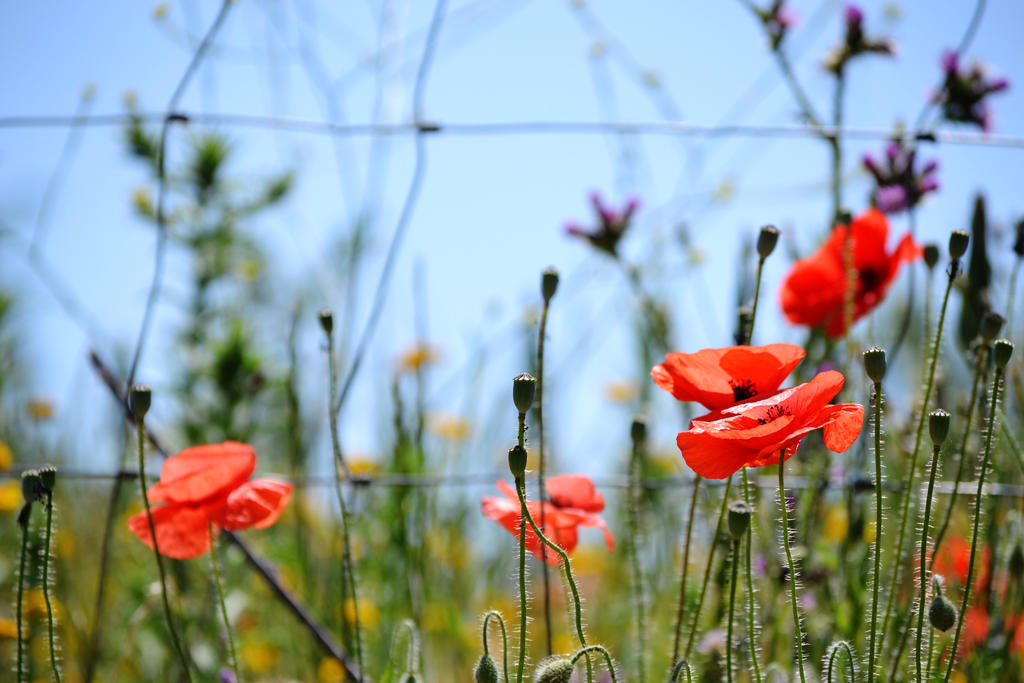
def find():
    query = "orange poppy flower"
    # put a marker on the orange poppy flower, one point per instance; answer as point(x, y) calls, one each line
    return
point(751, 434)
point(718, 378)
point(206, 485)
point(574, 503)
point(814, 291)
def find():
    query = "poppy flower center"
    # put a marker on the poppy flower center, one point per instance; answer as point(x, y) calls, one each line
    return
point(870, 279)
point(774, 413)
point(742, 389)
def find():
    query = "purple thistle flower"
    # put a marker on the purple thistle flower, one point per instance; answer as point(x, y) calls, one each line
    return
point(963, 93)
point(898, 186)
point(612, 224)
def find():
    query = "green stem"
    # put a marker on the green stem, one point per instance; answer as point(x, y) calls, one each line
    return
point(223, 605)
point(751, 602)
point(922, 593)
point(577, 605)
point(634, 555)
point(978, 372)
point(753, 309)
point(504, 639)
point(46, 587)
point(140, 424)
point(833, 653)
point(908, 492)
point(732, 600)
point(797, 628)
point(876, 547)
point(522, 580)
point(539, 415)
point(607, 658)
point(681, 607)
point(989, 437)
point(26, 512)
point(707, 568)
point(681, 666)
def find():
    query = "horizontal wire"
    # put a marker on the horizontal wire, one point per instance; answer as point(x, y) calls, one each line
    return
point(524, 127)
point(488, 478)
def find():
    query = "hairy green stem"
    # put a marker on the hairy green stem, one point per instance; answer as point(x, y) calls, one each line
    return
point(989, 438)
point(707, 568)
point(140, 424)
point(681, 607)
point(798, 631)
point(539, 416)
point(681, 666)
point(26, 512)
point(504, 639)
point(751, 602)
point(607, 658)
point(749, 334)
point(912, 471)
point(636, 575)
point(735, 561)
point(522, 581)
point(223, 605)
point(876, 546)
point(922, 592)
point(46, 587)
point(833, 653)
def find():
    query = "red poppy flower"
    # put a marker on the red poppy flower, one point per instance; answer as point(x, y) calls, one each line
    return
point(204, 485)
point(718, 378)
point(574, 503)
point(814, 291)
point(953, 557)
point(751, 434)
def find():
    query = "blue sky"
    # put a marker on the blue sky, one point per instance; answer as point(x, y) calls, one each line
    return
point(492, 207)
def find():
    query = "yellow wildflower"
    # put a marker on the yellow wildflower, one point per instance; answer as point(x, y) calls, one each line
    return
point(260, 657)
point(837, 524)
point(450, 427)
point(41, 408)
point(620, 390)
point(8, 629)
point(435, 617)
point(869, 532)
point(6, 457)
point(65, 543)
point(369, 615)
point(725, 191)
point(363, 464)
point(418, 357)
point(330, 671)
point(160, 11)
point(10, 496)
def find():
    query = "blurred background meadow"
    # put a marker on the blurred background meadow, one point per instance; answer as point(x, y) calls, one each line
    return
point(413, 167)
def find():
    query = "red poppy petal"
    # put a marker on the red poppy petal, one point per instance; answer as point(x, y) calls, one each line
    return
point(870, 231)
point(591, 520)
point(202, 472)
point(574, 491)
point(509, 492)
point(257, 503)
point(709, 456)
point(695, 377)
point(842, 425)
point(182, 531)
point(766, 367)
point(813, 289)
point(561, 529)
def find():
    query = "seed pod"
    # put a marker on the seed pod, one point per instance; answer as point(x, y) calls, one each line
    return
point(517, 460)
point(554, 670)
point(548, 284)
point(32, 486)
point(958, 240)
point(991, 323)
point(1002, 351)
point(326, 320)
point(524, 387)
point(638, 430)
point(938, 426)
point(874, 363)
point(931, 255)
point(941, 613)
point(486, 670)
point(739, 519)
point(766, 241)
point(140, 400)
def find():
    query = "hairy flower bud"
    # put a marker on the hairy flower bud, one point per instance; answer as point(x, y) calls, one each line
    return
point(139, 401)
point(554, 670)
point(958, 240)
point(48, 475)
point(32, 486)
point(486, 671)
point(941, 613)
point(524, 387)
point(1001, 352)
point(766, 241)
point(874, 363)
point(326, 320)
point(517, 460)
point(938, 426)
point(548, 284)
point(931, 255)
point(991, 323)
point(739, 519)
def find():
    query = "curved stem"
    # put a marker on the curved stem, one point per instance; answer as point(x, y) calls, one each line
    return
point(504, 639)
point(681, 607)
point(909, 491)
point(751, 602)
point(732, 600)
point(223, 605)
point(681, 666)
point(23, 519)
point(707, 568)
point(797, 628)
point(156, 551)
point(989, 438)
point(922, 592)
point(46, 587)
point(607, 658)
point(978, 372)
point(539, 416)
point(876, 547)
point(833, 652)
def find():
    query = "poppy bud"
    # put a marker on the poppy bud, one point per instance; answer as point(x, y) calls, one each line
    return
point(941, 613)
point(1016, 563)
point(140, 400)
point(554, 670)
point(411, 678)
point(991, 323)
point(326, 320)
point(48, 475)
point(766, 241)
point(32, 486)
point(24, 514)
point(874, 363)
point(1002, 351)
point(524, 387)
point(1018, 245)
point(548, 284)
point(938, 426)
point(739, 519)
point(486, 670)
point(517, 460)
point(931, 255)
point(958, 244)
point(638, 430)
